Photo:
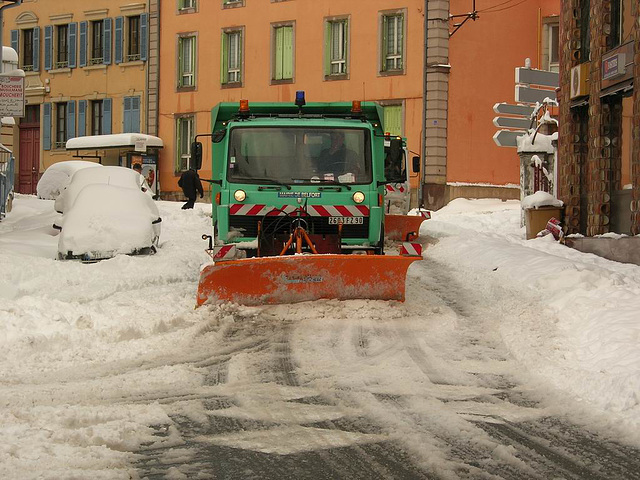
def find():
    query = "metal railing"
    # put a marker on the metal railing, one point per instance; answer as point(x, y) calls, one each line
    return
point(6, 178)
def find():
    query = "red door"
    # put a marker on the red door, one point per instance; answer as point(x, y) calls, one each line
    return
point(29, 159)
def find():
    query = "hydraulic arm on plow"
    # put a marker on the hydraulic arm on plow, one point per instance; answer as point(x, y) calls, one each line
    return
point(298, 204)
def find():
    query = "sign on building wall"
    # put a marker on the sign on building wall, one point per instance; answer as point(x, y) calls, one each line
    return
point(11, 96)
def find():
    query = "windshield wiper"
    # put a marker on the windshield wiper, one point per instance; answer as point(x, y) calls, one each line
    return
point(323, 180)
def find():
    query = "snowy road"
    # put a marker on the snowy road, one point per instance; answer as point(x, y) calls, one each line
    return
point(107, 371)
point(375, 396)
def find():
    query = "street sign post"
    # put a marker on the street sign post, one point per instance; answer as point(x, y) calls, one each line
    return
point(531, 76)
point(507, 138)
point(526, 94)
point(507, 109)
point(512, 122)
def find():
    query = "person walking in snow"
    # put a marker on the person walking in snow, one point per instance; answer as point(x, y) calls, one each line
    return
point(190, 183)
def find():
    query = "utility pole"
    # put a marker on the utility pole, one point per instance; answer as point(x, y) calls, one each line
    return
point(435, 104)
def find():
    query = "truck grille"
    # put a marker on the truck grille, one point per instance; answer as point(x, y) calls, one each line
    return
point(280, 224)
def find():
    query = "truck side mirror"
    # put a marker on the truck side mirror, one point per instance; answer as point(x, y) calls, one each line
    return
point(196, 155)
point(393, 167)
point(416, 164)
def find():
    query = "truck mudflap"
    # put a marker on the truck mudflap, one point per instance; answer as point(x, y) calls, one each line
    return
point(299, 278)
point(404, 228)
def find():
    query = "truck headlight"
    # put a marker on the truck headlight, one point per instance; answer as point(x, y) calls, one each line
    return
point(358, 197)
point(239, 195)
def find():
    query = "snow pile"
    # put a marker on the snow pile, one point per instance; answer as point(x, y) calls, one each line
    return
point(541, 199)
point(57, 177)
point(586, 340)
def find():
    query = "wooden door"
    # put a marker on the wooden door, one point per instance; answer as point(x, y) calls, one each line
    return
point(29, 160)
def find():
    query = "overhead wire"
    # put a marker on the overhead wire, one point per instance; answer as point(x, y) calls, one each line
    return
point(493, 10)
point(494, 6)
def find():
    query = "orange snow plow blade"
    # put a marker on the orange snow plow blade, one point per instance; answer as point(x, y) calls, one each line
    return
point(298, 278)
point(402, 228)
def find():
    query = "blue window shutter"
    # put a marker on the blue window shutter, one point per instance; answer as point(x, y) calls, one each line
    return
point(73, 33)
point(48, 47)
point(46, 126)
point(82, 118)
point(144, 40)
point(135, 114)
point(15, 40)
point(119, 39)
point(82, 62)
point(36, 49)
point(127, 115)
point(106, 116)
point(71, 119)
point(107, 41)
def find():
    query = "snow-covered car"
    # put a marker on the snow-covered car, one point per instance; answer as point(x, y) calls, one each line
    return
point(107, 220)
point(108, 175)
point(57, 177)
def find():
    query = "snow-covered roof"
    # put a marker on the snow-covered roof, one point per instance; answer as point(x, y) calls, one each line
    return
point(542, 143)
point(9, 55)
point(116, 140)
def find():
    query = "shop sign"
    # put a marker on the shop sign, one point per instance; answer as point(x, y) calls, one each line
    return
point(11, 96)
point(613, 66)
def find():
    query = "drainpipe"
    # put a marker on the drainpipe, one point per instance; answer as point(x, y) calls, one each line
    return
point(14, 3)
point(424, 109)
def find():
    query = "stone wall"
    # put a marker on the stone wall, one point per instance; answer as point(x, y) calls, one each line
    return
point(635, 161)
point(590, 140)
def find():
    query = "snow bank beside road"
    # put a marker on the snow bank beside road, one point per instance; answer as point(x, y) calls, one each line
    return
point(586, 340)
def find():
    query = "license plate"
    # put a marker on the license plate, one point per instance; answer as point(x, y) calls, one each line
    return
point(346, 220)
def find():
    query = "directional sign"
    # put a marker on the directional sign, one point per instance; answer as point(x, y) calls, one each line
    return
point(512, 122)
point(533, 95)
point(537, 77)
point(506, 109)
point(507, 138)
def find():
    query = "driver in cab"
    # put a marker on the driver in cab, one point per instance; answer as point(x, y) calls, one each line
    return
point(337, 159)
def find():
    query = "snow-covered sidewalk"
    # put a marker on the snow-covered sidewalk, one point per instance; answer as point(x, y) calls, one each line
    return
point(586, 340)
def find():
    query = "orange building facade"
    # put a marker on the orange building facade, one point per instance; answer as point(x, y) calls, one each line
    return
point(88, 71)
point(483, 55)
point(219, 51)
point(226, 50)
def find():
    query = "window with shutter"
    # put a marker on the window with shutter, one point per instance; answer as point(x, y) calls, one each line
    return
point(186, 4)
point(133, 38)
point(392, 119)
point(231, 65)
point(97, 117)
point(61, 124)
point(27, 50)
point(46, 126)
point(392, 43)
point(336, 47)
point(96, 50)
point(131, 115)
point(62, 46)
point(283, 53)
point(232, 3)
point(186, 61)
point(184, 137)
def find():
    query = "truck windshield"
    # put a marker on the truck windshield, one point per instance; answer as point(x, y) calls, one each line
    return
point(286, 155)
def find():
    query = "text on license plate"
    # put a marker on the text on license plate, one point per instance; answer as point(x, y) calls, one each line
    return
point(346, 220)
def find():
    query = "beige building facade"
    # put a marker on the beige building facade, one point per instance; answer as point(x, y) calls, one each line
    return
point(87, 73)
